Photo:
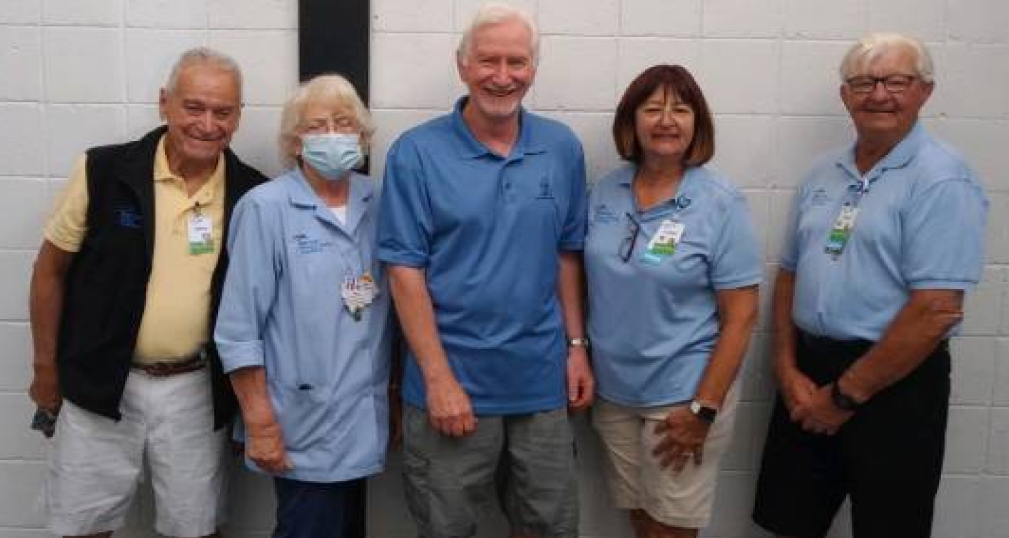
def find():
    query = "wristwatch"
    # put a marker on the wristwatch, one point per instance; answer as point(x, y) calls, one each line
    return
point(842, 400)
point(703, 412)
point(578, 342)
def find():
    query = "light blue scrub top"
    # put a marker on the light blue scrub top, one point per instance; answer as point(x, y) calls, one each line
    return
point(281, 309)
point(920, 225)
point(653, 321)
point(488, 231)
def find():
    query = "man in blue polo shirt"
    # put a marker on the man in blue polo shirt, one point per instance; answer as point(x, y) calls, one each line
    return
point(482, 224)
point(886, 237)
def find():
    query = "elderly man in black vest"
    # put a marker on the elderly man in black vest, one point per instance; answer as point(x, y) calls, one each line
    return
point(123, 298)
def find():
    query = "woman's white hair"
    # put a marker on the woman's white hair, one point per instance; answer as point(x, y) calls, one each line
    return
point(870, 47)
point(330, 90)
point(495, 13)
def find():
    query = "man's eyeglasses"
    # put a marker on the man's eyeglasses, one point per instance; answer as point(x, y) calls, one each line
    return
point(627, 245)
point(891, 83)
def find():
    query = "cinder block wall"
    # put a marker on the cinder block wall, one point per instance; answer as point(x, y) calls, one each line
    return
point(75, 73)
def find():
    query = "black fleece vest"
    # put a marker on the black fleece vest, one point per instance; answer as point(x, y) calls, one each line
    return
point(106, 285)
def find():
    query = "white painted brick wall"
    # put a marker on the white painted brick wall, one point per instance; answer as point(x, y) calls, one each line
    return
point(75, 73)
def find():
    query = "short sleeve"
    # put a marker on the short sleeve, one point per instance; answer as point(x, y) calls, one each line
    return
point(573, 233)
point(404, 223)
point(68, 222)
point(736, 260)
point(944, 236)
point(790, 245)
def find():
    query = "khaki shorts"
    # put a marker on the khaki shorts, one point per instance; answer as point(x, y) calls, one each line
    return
point(528, 459)
point(96, 462)
point(636, 480)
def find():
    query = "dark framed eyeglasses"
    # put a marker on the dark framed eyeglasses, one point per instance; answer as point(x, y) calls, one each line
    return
point(630, 239)
point(891, 83)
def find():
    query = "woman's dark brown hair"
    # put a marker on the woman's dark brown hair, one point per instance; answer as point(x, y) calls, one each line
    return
point(676, 81)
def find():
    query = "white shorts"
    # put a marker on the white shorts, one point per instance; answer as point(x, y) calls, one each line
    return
point(96, 462)
point(637, 481)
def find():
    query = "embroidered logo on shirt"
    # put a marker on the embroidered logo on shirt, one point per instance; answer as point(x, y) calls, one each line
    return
point(820, 197)
point(128, 217)
point(603, 214)
point(546, 190)
point(310, 245)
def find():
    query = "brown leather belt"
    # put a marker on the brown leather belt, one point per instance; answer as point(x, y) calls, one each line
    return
point(167, 368)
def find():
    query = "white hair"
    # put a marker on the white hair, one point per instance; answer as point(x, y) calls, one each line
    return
point(203, 56)
point(495, 13)
point(329, 90)
point(871, 46)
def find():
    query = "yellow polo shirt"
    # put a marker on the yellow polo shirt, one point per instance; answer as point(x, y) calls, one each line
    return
point(177, 310)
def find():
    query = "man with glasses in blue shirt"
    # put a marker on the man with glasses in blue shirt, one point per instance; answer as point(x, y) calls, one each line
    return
point(885, 238)
point(482, 224)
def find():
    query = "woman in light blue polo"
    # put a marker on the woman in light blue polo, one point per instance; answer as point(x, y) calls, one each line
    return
point(303, 325)
point(673, 268)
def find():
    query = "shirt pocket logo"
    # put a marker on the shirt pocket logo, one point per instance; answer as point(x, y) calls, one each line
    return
point(128, 217)
point(546, 189)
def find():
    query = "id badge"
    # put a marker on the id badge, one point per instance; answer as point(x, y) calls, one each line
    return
point(201, 234)
point(663, 243)
point(358, 293)
point(841, 231)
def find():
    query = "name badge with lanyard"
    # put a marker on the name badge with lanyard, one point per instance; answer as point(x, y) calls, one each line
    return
point(844, 225)
point(200, 232)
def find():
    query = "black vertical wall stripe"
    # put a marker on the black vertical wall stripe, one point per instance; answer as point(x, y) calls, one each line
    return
point(333, 36)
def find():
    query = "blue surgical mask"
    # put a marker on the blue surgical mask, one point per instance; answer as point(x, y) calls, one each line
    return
point(331, 154)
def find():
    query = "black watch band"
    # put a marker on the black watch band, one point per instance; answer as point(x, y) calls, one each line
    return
point(842, 400)
point(703, 412)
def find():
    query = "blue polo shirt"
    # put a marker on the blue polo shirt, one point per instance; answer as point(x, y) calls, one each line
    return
point(282, 309)
point(920, 225)
point(653, 319)
point(487, 230)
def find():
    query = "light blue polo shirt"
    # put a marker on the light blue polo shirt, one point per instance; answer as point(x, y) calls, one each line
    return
point(488, 231)
point(653, 320)
point(282, 309)
point(920, 225)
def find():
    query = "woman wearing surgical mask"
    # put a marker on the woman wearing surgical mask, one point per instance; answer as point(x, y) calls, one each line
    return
point(304, 318)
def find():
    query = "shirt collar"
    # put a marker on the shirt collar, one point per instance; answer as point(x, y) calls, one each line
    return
point(898, 157)
point(681, 198)
point(163, 172)
point(358, 199)
point(305, 196)
point(471, 148)
point(626, 175)
point(302, 194)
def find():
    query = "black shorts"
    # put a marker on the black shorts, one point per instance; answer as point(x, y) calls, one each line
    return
point(887, 457)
